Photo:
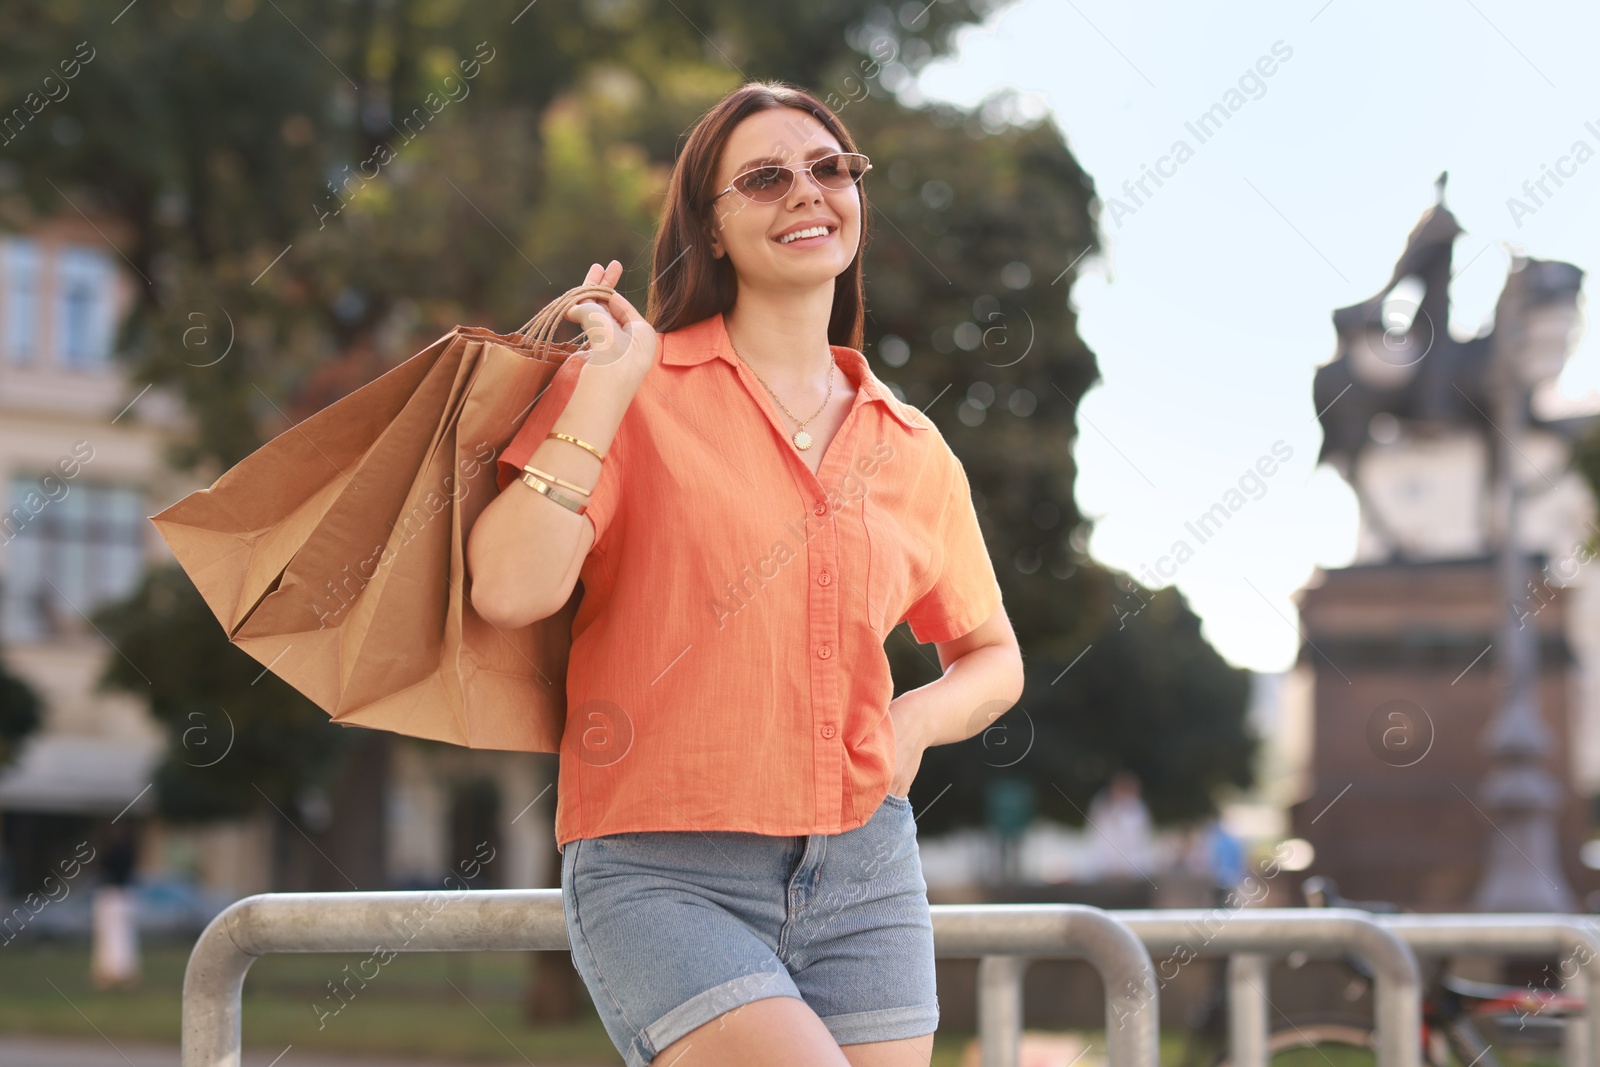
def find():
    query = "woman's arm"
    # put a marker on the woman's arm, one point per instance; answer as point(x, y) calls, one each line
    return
point(982, 678)
point(525, 552)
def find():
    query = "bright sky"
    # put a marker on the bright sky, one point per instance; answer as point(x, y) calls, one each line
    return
point(1209, 307)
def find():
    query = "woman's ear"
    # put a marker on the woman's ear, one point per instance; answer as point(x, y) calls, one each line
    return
point(712, 228)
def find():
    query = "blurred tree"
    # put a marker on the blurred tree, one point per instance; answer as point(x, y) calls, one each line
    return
point(241, 737)
point(236, 727)
point(20, 714)
point(231, 134)
point(1148, 694)
point(980, 219)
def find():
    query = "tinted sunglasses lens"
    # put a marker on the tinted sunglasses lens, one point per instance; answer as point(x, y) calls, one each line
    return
point(839, 171)
point(766, 183)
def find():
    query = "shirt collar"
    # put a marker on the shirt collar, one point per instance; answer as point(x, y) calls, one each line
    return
point(708, 339)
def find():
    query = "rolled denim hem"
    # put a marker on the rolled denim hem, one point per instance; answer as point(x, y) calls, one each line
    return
point(886, 1024)
point(703, 1007)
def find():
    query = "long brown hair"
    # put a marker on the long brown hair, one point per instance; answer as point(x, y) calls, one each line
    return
point(688, 283)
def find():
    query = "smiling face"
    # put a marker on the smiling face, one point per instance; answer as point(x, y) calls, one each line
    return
point(747, 232)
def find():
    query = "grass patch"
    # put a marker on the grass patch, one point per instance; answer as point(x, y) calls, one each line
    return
point(445, 1005)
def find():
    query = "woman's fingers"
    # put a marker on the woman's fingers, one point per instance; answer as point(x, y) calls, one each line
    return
point(607, 324)
point(597, 275)
point(625, 312)
point(590, 316)
point(611, 314)
point(596, 323)
point(606, 275)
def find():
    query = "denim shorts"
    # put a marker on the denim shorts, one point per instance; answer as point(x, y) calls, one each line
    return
point(669, 928)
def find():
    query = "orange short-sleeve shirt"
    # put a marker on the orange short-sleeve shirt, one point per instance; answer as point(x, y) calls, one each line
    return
point(727, 669)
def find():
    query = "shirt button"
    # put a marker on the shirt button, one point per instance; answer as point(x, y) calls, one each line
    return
point(821, 509)
point(824, 578)
point(827, 731)
point(824, 651)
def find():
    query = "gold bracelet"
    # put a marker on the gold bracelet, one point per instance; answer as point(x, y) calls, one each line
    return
point(580, 444)
point(540, 485)
point(547, 476)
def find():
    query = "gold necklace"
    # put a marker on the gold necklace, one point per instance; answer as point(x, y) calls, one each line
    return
point(802, 439)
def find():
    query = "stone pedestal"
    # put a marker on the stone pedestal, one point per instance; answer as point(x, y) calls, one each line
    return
point(1406, 681)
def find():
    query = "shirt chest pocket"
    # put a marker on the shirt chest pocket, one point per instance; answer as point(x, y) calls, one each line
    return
point(891, 561)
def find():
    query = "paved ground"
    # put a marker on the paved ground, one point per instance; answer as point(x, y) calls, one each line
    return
point(60, 1052)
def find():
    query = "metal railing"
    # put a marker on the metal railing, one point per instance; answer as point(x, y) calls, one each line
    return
point(1249, 935)
point(1573, 937)
point(533, 920)
point(1005, 938)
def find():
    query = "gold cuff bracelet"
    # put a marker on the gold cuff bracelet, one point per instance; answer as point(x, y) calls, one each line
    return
point(552, 479)
point(542, 486)
point(580, 444)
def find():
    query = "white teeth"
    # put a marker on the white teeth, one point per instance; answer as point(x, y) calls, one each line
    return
point(815, 231)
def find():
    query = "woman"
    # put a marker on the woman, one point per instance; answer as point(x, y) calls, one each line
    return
point(751, 512)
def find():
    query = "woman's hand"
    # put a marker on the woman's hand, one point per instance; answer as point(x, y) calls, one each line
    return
point(618, 334)
point(909, 745)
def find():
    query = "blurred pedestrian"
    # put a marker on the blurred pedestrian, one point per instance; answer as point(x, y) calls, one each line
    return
point(114, 958)
point(1120, 825)
point(1225, 859)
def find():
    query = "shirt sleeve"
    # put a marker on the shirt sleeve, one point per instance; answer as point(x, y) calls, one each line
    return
point(602, 502)
point(966, 592)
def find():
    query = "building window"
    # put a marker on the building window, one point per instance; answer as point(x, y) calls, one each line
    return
point(67, 552)
point(19, 299)
point(84, 307)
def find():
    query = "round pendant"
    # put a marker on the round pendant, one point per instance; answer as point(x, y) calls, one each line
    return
point(802, 440)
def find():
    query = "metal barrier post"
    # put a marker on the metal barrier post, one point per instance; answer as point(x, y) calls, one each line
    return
point(1000, 1009)
point(1316, 931)
point(1575, 937)
point(425, 921)
point(1247, 1009)
point(1577, 1040)
point(1039, 931)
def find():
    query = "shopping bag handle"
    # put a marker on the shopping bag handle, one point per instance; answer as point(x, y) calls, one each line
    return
point(549, 319)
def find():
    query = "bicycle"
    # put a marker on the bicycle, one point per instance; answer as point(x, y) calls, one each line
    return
point(1461, 1018)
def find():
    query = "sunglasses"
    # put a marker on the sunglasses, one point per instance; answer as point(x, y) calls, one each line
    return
point(772, 182)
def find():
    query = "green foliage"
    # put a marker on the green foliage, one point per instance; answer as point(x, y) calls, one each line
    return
point(20, 714)
point(1146, 693)
point(975, 230)
point(224, 134)
point(1152, 697)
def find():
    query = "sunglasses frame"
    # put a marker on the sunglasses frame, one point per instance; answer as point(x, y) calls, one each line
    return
point(794, 169)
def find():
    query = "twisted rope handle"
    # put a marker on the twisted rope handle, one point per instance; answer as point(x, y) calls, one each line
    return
point(552, 315)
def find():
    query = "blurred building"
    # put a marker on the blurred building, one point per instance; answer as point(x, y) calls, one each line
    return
point(79, 460)
point(1401, 677)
